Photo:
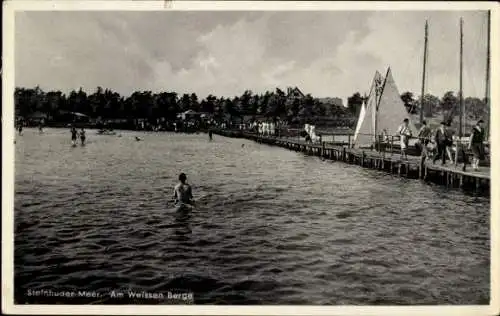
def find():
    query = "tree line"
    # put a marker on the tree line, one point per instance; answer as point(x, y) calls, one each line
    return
point(106, 104)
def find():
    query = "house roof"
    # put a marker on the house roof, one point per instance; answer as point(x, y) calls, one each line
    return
point(295, 92)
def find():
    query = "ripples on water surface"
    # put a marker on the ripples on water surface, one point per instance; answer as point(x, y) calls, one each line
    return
point(271, 227)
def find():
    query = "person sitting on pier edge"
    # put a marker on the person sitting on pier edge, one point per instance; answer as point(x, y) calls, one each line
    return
point(404, 132)
point(476, 144)
point(442, 140)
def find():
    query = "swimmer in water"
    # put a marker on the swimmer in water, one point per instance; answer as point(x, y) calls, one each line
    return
point(82, 136)
point(137, 138)
point(74, 132)
point(182, 192)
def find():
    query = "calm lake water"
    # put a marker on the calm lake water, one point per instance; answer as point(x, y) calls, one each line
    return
point(271, 226)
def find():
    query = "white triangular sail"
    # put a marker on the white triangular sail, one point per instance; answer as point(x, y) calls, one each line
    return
point(360, 120)
point(391, 109)
point(365, 129)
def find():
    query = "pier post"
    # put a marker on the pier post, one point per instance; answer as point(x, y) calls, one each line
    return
point(362, 159)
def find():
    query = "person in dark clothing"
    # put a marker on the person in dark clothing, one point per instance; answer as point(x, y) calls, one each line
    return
point(449, 139)
point(74, 134)
point(441, 138)
point(210, 134)
point(20, 127)
point(82, 136)
point(476, 144)
point(404, 132)
point(424, 136)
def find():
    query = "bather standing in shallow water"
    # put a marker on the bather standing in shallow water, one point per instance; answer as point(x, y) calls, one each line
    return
point(183, 194)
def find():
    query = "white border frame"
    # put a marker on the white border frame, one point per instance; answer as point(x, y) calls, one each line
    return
point(9, 9)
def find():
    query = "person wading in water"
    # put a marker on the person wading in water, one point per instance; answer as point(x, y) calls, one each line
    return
point(82, 136)
point(476, 144)
point(183, 194)
point(40, 127)
point(74, 133)
point(20, 127)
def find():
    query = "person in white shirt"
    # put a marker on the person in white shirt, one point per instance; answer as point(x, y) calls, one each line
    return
point(404, 132)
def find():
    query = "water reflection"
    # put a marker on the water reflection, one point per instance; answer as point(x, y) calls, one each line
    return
point(182, 227)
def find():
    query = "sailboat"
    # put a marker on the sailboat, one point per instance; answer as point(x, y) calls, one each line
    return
point(365, 126)
point(360, 120)
point(385, 112)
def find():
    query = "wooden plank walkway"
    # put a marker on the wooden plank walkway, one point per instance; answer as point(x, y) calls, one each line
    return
point(449, 175)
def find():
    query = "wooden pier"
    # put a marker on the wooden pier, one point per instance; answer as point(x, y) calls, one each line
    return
point(413, 168)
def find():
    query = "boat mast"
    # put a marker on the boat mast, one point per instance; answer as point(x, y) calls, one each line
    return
point(460, 130)
point(487, 88)
point(423, 76)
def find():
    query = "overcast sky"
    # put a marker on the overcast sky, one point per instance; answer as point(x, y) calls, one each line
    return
point(326, 54)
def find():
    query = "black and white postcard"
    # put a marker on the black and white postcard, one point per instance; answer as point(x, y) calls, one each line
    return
point(250, 158)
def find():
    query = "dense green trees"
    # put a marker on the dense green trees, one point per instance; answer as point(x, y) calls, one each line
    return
point(105, 104)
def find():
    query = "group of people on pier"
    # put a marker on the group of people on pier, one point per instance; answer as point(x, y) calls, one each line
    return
point(440, 142)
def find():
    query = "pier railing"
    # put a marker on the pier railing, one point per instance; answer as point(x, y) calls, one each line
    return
point(384, 144)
